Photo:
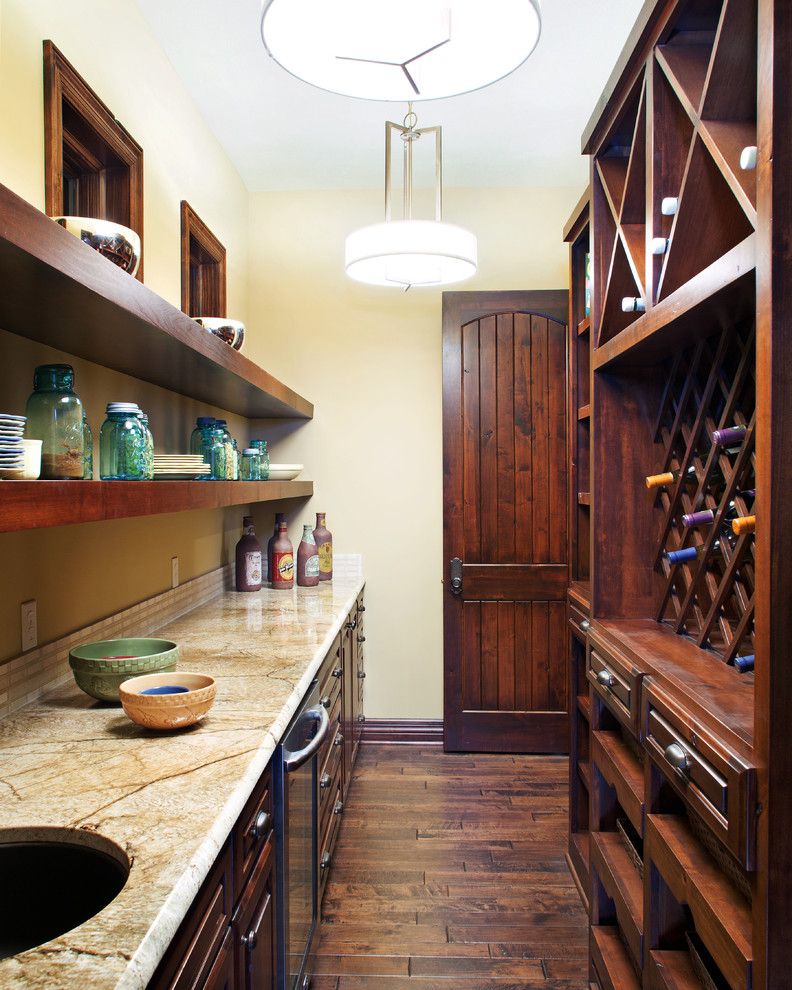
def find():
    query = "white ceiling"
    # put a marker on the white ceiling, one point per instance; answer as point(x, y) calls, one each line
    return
point(284, 134)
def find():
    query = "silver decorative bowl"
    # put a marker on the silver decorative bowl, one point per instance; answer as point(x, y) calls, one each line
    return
point(230, 331)
point(113, 241)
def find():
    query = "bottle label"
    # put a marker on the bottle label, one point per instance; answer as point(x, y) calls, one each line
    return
point(253, 567)
point(326, 558)
point(282, 567)
point(312, 566)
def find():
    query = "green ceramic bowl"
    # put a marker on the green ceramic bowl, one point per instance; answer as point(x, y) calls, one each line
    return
point(99, 668)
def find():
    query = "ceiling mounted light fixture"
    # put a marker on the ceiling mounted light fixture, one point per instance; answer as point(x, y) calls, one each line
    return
point(411, 252)
point(402, 50)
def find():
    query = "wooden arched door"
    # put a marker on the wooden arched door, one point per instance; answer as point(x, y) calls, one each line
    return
point(505, 521)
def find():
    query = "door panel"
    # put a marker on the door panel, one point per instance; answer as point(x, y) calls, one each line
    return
point(505, 491)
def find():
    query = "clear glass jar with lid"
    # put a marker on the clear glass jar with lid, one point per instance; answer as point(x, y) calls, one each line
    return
point(149, 462)
point(215, 451)
point(261, 446)
point(199, 435)
point(251, 465)
point(55, 416)
point(122, 444)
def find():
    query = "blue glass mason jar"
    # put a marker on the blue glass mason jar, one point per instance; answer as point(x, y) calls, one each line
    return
point(215, 451)
point(149, 464)
point(264, 457)
point(199, 435)
point(251, 465)
point(122, 444)
point(55, 416)
point(87, 451)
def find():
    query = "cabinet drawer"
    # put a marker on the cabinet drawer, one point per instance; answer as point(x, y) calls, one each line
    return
point(330, 697)
point(331, 670)
point(329, 782)
point(718, 784)
point(252, 830)
point(328, 843)
point(193, 949)
point(254, 926)
point(616, 682)
point(579, 621)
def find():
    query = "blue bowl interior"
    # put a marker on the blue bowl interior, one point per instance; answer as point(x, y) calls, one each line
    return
point(165, 689)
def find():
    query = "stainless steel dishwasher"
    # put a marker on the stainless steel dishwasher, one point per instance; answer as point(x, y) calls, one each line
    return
point(296, 783)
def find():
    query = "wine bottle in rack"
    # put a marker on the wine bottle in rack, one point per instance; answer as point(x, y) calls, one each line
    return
point(744, 524)
point(660, 245)
point(730, 436)
point(748, 158)
point(668, 206)
point(704, 517)
point(686, 554)
point(633, 304)
point(744, 664)
point(667, 478)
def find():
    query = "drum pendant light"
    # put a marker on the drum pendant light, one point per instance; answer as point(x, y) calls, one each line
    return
point(400, 49)
point(410, 252)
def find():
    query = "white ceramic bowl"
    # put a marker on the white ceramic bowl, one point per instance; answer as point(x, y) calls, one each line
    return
point(32, 459)
point(113, 241)
point(285, 472)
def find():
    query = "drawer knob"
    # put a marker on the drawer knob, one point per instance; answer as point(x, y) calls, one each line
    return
point(351, 625)
point(339, 740)
point(361, 639)
point(325, 702)
point(249, 940)
point(361, 608)
point(585, 625)
point(361, 718)
point(338, 671)
point(606, 679)
point(338, 807)
point(262, 824)
point(324, 862)
point(679, 759)
point(362, 675)
point(325, 781)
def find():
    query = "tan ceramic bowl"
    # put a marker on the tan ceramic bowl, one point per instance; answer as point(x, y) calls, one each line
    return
point(171, 710)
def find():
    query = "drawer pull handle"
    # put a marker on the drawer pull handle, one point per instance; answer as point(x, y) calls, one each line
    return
point(261, 825)
point(362, 675)
point(585, 625)
point(325, 861)
point(338, 671)
point(338, 807)
point(361, 639)
point(678, 757)
point(352, 624)
point(361, 718)
point(339, 740)
point(606, 679)
point(325, 782)
point(325, 702)
point(361, 608)
point(249, 940)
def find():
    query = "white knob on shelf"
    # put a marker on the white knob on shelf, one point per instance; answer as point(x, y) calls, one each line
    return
point(660, 244)
point(632, 304)
point(669, 206)
point(748, 158)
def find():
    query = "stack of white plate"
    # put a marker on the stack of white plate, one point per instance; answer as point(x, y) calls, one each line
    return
point(284, 472)
point(12, 452)
point(180, 467)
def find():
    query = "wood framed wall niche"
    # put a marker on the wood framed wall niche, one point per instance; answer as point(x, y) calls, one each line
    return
point(93, 165)
point(203, 267)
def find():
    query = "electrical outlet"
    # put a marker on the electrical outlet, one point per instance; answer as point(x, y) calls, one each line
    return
point(174, 572)
point(29, 626)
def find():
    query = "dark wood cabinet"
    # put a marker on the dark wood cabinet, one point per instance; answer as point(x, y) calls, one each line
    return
point(222, 974)
point(253, 929)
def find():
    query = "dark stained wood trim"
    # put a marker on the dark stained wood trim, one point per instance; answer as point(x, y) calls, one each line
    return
point(59, 291)
point(466, 306)
point(192, 226)
point(403, 730)
point(63, 82)
point(38, 504)
point(515, 582)
point(578, 218)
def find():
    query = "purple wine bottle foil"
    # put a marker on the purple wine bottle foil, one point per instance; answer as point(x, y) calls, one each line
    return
point(701, 518)
point(729, 436)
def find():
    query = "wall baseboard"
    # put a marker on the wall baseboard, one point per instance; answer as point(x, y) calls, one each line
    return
point(404, 731)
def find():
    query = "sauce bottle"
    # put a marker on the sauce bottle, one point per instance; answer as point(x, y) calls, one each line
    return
point(279, 517)
point(248, 559)
point(282, 560)
point(324, 547)
point(307, 560)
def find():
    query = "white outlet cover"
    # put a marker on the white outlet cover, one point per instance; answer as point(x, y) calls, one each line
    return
point(29, 625)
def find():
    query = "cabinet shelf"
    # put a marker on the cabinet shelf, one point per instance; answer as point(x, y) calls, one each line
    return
point(584, 772)
point(621, 769)
point(58, 291)
point(584, 498)
point(39, 504)
point(672, 971)
point(611, 961)
point(584, 706)
point(584, 326)
point(584, 412)
point(623, 885)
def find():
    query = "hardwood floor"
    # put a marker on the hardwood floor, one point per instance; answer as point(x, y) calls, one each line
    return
point(450, 872)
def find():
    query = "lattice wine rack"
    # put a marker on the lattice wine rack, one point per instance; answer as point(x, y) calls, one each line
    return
point(709, 596)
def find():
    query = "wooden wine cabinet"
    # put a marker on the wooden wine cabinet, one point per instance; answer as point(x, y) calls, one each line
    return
point(688, 770)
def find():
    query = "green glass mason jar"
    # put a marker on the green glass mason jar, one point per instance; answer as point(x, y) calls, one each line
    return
point(87, 451)
point(251, 465)
point(122, 444)
point(149, 463)
point(264, 458)
point(199, 435)
point(55, 416)
point(215, 450)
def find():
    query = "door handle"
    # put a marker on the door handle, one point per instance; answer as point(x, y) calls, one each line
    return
point(456, 576)
point(296, 759)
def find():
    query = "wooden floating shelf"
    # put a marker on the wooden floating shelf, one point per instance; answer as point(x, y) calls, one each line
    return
point(38, 504)
point(725, 288)
point(58, 291)
point(584, 326)
point(584, 412)
point(721, 914)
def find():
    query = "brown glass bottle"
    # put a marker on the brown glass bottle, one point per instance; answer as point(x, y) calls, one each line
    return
point(324, 547)
point(279, 518)
point(307, 560)
point(248, 559)
point(282, 560)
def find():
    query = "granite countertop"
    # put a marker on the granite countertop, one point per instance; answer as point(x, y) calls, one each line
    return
point(169, 800)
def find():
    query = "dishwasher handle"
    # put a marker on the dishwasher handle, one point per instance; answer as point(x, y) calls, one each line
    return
point(293, 760)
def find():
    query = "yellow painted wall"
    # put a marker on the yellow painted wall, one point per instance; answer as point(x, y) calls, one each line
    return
point(81, 573)
point(370, 359)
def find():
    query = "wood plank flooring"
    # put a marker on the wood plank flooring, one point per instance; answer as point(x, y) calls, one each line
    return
point(449, 872)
